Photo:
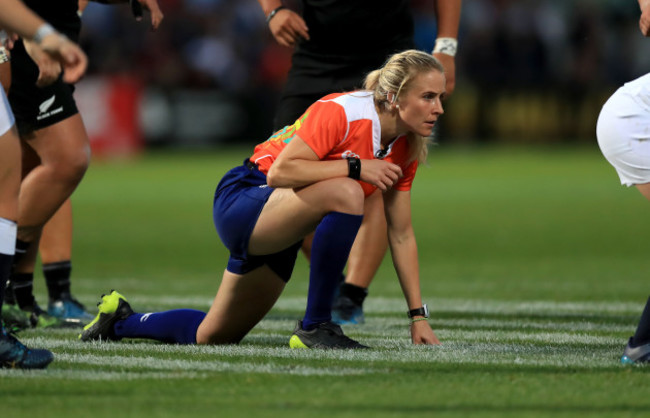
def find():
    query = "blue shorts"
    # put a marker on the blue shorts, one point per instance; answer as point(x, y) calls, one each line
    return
point(238, 202)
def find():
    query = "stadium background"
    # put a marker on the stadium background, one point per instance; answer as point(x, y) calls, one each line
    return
point(533, 258)
point(529, 71)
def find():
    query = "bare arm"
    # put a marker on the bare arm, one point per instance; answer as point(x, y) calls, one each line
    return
point(298, 165)
point(16, 17)
point(448, 17)
point(397, 205)
point(286, 26)
point(644, 21)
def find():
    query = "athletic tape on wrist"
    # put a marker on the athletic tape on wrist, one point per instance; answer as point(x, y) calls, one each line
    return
point(42, 31)
point(447, 46)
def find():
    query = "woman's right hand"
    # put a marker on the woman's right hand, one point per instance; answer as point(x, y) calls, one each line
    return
point(380, 173)
point(421, 333)
point(288, 27)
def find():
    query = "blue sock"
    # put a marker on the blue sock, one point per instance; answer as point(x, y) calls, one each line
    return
point(176, 326)
point(330, 249)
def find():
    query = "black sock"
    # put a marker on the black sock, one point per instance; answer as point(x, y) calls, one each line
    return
point(22, 285)
point(21, 250)
point(642, 335)
point(6, 261)
point(356, 293)
point(57, 278)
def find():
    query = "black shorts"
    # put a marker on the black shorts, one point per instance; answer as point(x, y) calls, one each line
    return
point(35, 107)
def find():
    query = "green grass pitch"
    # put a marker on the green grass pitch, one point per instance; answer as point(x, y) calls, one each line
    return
point(533, 261)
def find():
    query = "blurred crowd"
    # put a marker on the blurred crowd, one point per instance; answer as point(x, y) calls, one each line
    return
point(224, 45)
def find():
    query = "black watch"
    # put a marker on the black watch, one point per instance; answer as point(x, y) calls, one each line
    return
point(423, 311)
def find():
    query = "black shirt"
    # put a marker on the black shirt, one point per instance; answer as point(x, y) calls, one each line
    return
point(62, 14)
point(363, 27)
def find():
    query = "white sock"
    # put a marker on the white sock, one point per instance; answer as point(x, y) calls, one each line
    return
point(8, 231)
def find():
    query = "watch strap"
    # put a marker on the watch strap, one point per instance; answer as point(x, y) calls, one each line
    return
point(423, 311)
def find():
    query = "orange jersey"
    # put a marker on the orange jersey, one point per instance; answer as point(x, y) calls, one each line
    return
point(341, 125)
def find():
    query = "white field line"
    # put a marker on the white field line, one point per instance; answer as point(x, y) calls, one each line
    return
point(183, 365)
point(388, 351)
point(398, 306)
point(486, 341)
point(96, 375)
point(374, 325)
point(380, 330)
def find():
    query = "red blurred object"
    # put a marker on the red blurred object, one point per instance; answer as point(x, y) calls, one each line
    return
point(109, 107)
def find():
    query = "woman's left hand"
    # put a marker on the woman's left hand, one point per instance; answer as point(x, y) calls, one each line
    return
point(421, 333)
point(156, 14)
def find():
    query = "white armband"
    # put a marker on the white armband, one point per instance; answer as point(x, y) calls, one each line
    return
point(447, 46)
point(42, 31)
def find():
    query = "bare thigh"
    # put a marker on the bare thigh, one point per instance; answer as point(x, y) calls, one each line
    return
point(290, 214)
point(241, 302)
point(9, 174)
point(63, 153)
point(63, 146)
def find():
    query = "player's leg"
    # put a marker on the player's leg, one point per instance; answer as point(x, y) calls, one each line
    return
point(644, 189)
point(638, 347)
point(12, 352)
point(55, 245)
point(241, 302)
point(64, 154)
point(55, 249)
point(334, 208)
point(290, 108)
point(365, 258)
point(622, 131)
point(116, 320)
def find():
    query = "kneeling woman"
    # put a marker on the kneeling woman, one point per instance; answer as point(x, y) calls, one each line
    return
point(311, 176)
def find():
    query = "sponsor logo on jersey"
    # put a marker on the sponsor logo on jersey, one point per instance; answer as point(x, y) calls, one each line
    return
point(286, 134)
point(145, 316)
point(44, 108)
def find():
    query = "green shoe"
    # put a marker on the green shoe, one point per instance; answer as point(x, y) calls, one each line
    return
point(14, 317)
point(38, 318)
point(112, 308)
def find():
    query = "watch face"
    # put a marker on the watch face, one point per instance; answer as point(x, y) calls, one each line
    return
point(426, 310)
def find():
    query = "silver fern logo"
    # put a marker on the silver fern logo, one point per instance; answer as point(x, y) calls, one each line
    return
point(44, 108)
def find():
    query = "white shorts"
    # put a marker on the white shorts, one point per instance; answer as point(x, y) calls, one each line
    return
point(6, 115)
point(623, 133)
